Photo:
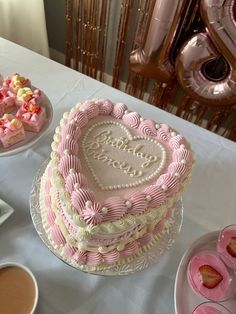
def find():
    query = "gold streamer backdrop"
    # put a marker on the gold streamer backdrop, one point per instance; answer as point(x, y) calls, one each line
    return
point(177, 55)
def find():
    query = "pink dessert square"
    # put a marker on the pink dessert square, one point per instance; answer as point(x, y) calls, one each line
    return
point(7, 101)
point(32, 116)
point(15, 82)
point(11, 130)
point(27, 95)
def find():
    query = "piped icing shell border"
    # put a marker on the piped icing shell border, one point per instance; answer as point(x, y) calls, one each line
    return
point(95, 261)
point(78, 199)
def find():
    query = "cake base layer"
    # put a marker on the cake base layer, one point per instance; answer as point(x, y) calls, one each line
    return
point(146, 255)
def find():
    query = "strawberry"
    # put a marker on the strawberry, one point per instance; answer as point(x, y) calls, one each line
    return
point(231, 247)
point(210, 277)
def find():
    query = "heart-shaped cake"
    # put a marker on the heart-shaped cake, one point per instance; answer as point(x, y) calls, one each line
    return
point(112, 183)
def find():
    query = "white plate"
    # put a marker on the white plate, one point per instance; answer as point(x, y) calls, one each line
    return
point(26, 269)
point(185, 298)
point(31, 137)
point(5, 211)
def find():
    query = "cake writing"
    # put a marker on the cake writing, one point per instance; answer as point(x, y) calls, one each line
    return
point(95, 150)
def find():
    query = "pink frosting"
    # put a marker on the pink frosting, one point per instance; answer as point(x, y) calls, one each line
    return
point(105, 106)
point(80, 197)
point(71, 129)
point(132, 119)
point(130, 248)
point(176, 141)
point(207, 309)
point(162, 135)
point(170, 181)
point(94, 258)
point(6, 97)
point(138, 201)
point(224, 241)
point(111, 257)
point(50, 215)
point(90, 108)
point(73, 179)
point(80, 257)
point(147, 127)
point(69, 164)
point(157, 195)
point(118, 110)
point(115, 208)
point(178, 168)
point(182, 154)
point(92, 215)
point(69, 250)
point(48, 185)
point(70, 145)
point(221, 290)
point(80, 118)
point(57, 235)
point(159, 226)
point(145, 239)
point(47, 201)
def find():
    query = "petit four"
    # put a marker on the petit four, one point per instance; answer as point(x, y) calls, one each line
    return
point(7, 101)
point(11, 130)
point(32, 116)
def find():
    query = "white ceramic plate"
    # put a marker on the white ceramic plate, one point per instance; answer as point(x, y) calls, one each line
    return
point(186, 299)
point(5, 211)
point(26, 269)
point(31, 137)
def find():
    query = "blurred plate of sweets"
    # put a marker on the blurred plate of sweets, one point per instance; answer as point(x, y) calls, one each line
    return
point(25, 114)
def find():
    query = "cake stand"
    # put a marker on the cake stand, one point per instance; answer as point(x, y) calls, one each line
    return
point(147, 258)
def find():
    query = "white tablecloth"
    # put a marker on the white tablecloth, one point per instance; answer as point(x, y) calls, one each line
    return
point(209, 202)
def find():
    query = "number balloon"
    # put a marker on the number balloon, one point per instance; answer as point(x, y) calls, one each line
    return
point(153, 58)
point(203, 51)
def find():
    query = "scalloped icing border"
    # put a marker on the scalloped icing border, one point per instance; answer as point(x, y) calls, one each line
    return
point(70, 238)
point(102, 267)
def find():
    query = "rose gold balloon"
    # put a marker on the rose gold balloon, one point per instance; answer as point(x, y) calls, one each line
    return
point(218, 16)
point(197, 56)
point(153, 58)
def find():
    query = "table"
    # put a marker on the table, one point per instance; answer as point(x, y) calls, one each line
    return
point(209, 201)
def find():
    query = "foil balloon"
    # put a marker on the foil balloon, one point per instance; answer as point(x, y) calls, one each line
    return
point(153, 58)
point(206, 64)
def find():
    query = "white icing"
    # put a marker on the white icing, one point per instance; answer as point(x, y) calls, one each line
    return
point(135, 159)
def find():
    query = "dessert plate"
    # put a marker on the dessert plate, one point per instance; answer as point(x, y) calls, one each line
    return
point(186, 299)
point(30, 137)
point(5, 211)
point(149, 257)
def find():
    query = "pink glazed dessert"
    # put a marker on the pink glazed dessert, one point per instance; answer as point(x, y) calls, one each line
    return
point(11, 130)
point(32, 116)
point(7, 101)
point(15, 82)
point(27, 95)
point(209, 277)
point(226, 246)
point(210, 308)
